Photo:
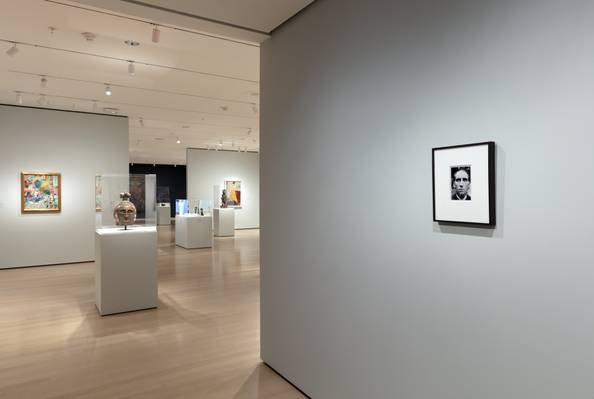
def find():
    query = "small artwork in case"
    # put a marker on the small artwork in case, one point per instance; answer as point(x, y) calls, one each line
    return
point(464, 184)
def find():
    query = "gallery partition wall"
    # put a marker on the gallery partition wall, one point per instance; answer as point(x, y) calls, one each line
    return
point(363, 294)
point(77, 146)
point(207, 168)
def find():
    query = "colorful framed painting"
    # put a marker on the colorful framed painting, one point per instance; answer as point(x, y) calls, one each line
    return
point(464, 184)
point(41, 192)
point(233, 191)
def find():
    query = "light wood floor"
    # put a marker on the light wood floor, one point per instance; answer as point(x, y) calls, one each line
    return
point(202, 341)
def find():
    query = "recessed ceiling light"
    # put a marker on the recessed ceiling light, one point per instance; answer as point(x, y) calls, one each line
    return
point(13, 50)
point(132, 43)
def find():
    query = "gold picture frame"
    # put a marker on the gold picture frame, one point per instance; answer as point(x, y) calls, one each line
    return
point(39, 191)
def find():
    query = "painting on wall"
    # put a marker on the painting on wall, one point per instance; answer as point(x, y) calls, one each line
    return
point(41, 192)
point(464, 184)
point(98, 193)
point(138, 193)
point(233, 191)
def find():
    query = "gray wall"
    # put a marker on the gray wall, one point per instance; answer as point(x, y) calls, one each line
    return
point(362, 295)
point(77, 145)
point(205, 169)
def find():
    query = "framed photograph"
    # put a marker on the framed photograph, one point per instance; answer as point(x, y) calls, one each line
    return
point(41, 192)
point(233, 190)
point(464, 184)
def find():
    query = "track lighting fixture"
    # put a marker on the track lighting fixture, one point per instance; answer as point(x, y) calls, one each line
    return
point(13, 50)
point(178, 141)
point(42, 100)
point(19, 98)
point(107, 90)
point(131, 68)
point(43, 81)
point(156, 34)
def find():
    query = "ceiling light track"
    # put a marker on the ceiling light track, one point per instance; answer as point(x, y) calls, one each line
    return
point(200, 17)
point(226, 100)
point(187, 123)
point(244, 43)
point(107, 88)
point(105, 57)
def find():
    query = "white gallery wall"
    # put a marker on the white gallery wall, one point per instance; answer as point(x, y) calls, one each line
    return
point(78, 146)
point(205, 169)
point(363, 296)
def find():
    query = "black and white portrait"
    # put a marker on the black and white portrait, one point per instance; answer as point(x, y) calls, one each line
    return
point(464, 184)
point(460, 182)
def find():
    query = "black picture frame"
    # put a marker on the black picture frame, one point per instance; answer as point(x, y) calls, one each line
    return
point(491, 185)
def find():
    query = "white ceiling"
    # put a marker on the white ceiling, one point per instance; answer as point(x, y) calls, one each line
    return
point(199, 87)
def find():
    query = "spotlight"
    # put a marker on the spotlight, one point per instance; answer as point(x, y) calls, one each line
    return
point(178, 141)
point(156, 34)
point(107, 90)
point(19, 98)
point(131, 68)
point(13, 50)
point(43, 81)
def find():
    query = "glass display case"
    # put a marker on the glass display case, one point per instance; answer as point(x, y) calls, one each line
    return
point(126, 201)
point(193, 207)
point(163, 196)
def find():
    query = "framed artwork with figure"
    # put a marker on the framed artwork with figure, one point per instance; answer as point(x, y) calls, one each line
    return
point(233, 191)
point(464, 184)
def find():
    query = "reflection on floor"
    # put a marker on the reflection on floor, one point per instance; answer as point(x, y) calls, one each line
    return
point(202, 341)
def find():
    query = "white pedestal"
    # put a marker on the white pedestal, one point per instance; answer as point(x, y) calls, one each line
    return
point(125, 269)
point(164, 215)
point(193, 231)
point(224, 222)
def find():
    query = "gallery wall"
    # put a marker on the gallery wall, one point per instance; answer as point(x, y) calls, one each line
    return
point(77, 145)
point(208, 168)
point(171, 176)
point(363, 296)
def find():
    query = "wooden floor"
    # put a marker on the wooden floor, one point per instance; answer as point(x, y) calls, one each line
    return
point(202, 341)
